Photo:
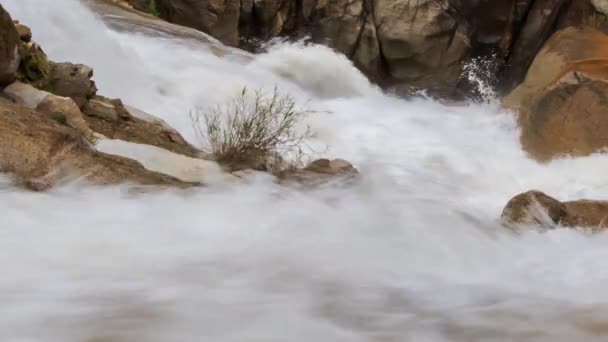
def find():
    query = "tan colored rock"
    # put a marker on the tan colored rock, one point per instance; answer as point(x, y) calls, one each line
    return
point(114, 120)
point(25, 34)
point(40, 152)
point(25, 94)
point(65, 110)
point(9, 51)
point(534, 208)
point(73, 80)
point(61, 109)
point(561, 104)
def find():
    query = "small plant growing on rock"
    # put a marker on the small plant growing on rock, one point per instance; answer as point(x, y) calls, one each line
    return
point(254, 131)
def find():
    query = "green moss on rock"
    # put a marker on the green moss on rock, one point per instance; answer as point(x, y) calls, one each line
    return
point(34, 68)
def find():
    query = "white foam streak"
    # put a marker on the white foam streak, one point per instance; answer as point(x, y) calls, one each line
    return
point(412, 253)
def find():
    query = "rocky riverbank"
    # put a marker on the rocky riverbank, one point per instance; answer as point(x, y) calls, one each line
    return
point(55, 127)
point(58, 127)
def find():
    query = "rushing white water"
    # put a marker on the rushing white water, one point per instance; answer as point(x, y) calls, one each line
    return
point(413, 253)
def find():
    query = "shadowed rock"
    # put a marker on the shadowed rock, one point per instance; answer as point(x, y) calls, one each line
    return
point(9, 50)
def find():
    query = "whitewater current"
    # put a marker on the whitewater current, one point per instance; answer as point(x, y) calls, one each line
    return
point(414, 252)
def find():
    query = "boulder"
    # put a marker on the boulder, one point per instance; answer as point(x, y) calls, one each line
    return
point(561, 104)
point(61, 109)
point(73, 80)
point(219, 18)
point(9, 49)
point(65, 110)
point(424, 43)
point(40, 152)
point(534, 208)
point(114, 120)
point(25, 34)
point(349, 27)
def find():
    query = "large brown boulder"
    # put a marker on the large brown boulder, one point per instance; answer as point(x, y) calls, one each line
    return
point(9, 49)
point(40, 152)
point(535, 208)
point(562, 103)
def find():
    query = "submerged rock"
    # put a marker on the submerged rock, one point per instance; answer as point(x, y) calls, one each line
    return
point(535, 208)
point(321, 171)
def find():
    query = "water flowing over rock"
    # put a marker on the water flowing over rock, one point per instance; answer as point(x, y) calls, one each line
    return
point(9, 51)
point(41, 152)
point(111, 118)
point(400, 44)
point(561, 104)
point(535, 208)
point(220, 18)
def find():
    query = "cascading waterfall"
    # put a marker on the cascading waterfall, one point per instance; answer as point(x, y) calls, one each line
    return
point(412, 253)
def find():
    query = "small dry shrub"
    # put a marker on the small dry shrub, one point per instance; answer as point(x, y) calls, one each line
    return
point(254, 131)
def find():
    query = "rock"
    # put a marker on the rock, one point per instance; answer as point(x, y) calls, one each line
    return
point(61, 109)
point(34, 68)
point(157, 159)
point(65, 110)
point(73, 80)
point(320, 172)
point(331, 167)
point(25, 94)
point(600, 5)
point(562, 103)
point(25, 34)
point(220, 18)
point(9, 50)
point(540, 21)
point(348, 27)
point(423, 43)
point(114, 120)
point(40, 152)
point(535, 208)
